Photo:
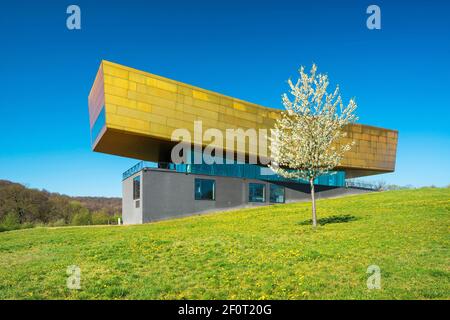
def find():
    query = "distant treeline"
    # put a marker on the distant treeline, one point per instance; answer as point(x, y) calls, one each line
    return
point(376, 185)
point(22, 207)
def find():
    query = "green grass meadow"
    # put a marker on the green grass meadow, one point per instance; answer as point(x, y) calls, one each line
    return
point(260, 253)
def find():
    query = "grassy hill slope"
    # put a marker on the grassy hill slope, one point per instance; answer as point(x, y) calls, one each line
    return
point(255, 253)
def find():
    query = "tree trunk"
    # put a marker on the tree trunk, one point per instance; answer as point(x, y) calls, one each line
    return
point(313, 200)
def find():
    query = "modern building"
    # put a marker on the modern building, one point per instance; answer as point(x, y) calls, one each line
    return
point(133, 114)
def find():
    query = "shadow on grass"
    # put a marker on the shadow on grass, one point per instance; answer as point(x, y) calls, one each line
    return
point(332, 219)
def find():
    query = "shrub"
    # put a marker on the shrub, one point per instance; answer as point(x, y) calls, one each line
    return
point(82, 218)
point(10, 222)
point(115, 218)
point(59, 223)
point(26, 225)
point(101, 217)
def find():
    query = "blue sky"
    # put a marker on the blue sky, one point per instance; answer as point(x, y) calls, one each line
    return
point(400, 75)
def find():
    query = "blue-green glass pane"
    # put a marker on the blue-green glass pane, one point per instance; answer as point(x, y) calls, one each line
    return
point(256, 192)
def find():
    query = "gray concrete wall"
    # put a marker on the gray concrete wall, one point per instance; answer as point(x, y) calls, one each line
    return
point(131, 214)
point(169, 194)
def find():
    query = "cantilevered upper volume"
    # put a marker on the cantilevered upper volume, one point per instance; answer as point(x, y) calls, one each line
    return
point(133, 114)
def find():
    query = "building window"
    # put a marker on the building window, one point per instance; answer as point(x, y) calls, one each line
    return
point(276, 193)
point(257, 192)
point(205, 189)
point(137, 188)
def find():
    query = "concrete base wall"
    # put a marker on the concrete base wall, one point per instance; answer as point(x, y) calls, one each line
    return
point(168, 194)
point(131, 209)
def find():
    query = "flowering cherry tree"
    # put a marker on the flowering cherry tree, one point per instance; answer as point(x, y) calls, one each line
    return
point(306, 142)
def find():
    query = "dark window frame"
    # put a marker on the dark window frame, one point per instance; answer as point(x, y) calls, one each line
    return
point(202, 182)
point(270, 193)
point(264, 192)
point(137, 188)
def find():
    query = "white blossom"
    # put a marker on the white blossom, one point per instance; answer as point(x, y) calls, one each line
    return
point(308, 136)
